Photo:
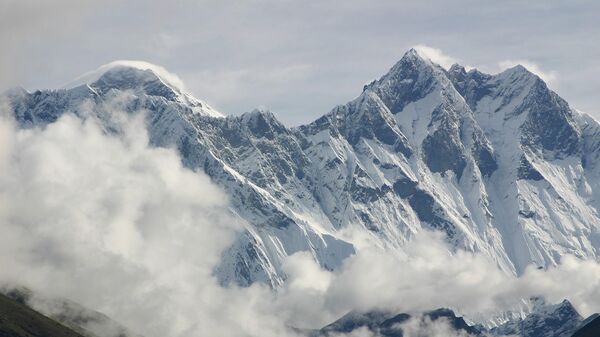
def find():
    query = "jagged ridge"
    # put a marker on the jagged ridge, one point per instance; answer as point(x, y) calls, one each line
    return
point(500, 163)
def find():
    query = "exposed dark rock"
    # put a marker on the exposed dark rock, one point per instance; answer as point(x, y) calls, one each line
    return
point(442, 152)
point(589, 328)
point(527, 171)
point(559, 320)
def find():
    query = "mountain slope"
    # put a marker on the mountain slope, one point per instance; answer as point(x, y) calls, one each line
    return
point(18, 320)
point(499, 163)
point(545, 320)
point(394, 325)
point(589, 328)
point(558, 320)
point(71, 315)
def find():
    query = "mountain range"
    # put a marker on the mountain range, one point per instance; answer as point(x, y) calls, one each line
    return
point(558, 320)
point(500, 163)
point(18, 319)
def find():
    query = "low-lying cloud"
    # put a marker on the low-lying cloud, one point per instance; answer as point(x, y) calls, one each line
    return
point(123, 228)
point(433, 276)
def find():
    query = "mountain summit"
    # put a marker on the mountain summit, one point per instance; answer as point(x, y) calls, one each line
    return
point(141, 77)
point(500, 163)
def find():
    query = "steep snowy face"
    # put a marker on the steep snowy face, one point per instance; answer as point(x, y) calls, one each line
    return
point(262, 166)
point(542, 188)
point(547, 125)
point(256, 159)
point(138, 80)
point(409, 80)
point(495, 161)
point(499, 163)
point(398, 155)
point(434, 116)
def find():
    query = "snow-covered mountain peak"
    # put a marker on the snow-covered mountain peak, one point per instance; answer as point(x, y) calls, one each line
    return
point(519, 69)
point(130, 78)
point(457, 69)
point(412, 60)
point(261, 123)
point(414, 57)
point(540, 306)
point(149, 69)
point(412, 53)
point(409, 80)
point(519, 76)
point(258, 112)
point(144, 77)
point(544, 320)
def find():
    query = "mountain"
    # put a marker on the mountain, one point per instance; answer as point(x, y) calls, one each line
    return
point(500, 163)
point(558, 320)
point(589, 328)
point(18, 320)
point(70, 316)
point(545, 320)
point(393, 325)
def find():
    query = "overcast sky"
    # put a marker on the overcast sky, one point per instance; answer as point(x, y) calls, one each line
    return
point(298, 58)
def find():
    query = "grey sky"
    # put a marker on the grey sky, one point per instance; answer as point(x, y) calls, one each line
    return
point(297, 58)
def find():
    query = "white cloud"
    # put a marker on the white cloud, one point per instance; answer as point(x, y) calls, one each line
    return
point(436, 55)
point(429, 277)
point(549, 77)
